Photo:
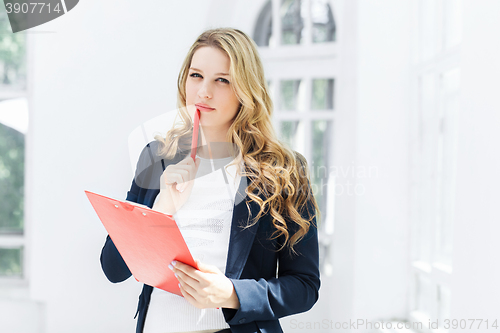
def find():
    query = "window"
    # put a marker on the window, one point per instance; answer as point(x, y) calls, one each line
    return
point(300, 63)
point(436, 81)
point(13, 127)
point(292, 17)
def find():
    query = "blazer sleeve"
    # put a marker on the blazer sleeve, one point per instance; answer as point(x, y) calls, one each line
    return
point(112, 263)
point(295, 290)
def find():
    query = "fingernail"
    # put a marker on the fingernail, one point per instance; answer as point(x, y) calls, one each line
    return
point(170, 266)
point(175, 274)
point(179, 285)
point(174, 262)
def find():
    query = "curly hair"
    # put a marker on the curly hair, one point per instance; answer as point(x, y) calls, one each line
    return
point(278, 173)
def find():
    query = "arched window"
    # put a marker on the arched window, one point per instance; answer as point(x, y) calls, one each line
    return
point(322, 21)
point(264, 26)
point(293, 15)
point(301, 63)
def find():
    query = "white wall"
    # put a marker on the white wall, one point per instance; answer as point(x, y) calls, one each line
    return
point(105, 68)
point(382, 119)
point(476, 273)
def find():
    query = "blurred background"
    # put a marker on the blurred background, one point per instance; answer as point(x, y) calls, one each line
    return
point(392, 102)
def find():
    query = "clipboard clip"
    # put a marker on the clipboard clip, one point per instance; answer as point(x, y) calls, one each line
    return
point(125, 206)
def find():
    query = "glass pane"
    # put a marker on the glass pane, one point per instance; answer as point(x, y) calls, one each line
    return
point(321, 148)
point(322, 94)
point(427, 166)
point(424, 295)
point(11, 180)
point(451, 82)
point(292, 21)
point(264, 26)
point(415, 213)
point(427, 96)
point(292, 95)
point(452, 23)
point(427, 28)
point(11, 262)
point(323, 24)
point(12, 56)
point(447, 164)
point(444, 298)
point(292, 132)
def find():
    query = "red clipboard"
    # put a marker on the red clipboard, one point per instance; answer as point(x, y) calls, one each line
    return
point(147, 240)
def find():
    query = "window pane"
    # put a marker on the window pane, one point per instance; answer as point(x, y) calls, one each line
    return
point(12, 57)
point(322, 22)
point(292, 95)
point(452, 23)
point(11, 180)
point(428, 28)
point(322, 94)
point(424, 295)
point(292, 21)
point(321, 145)
point(447, 164)
point(444, 298)
point(450, 82)
point(292, 132)
point(264, 27)
point(11, 262)
point(427, 166)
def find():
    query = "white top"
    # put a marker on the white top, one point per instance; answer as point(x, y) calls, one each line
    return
point(205, 223)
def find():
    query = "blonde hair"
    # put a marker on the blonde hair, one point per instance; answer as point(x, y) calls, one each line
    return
point(275, 170)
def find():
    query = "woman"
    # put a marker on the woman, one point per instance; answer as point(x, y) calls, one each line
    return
point(272, 215)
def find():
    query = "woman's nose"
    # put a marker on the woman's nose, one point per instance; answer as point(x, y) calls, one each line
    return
point(204, 91)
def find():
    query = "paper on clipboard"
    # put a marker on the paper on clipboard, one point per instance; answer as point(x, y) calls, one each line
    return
point(146, 239)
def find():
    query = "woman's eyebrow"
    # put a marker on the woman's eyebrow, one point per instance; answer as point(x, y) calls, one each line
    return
point(199, 70)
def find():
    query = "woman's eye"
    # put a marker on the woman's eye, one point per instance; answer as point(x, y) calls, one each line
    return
point(198, 75)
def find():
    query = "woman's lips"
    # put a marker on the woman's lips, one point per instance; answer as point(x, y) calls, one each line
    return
point(204, 108)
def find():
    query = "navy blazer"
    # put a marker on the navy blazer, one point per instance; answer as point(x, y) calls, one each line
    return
point(270, 284)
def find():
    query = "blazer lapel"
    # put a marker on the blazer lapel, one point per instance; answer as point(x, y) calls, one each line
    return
point(240, 241)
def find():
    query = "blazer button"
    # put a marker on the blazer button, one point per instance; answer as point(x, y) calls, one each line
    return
point(242, 320)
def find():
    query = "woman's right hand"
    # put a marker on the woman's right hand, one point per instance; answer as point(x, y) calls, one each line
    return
point(176, 183)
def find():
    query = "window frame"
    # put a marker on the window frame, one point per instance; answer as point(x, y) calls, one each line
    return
point(305, 61)
point(441, 61)
point(13, 285)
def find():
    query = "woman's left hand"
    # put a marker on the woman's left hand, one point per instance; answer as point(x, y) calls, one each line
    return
point(205, 288)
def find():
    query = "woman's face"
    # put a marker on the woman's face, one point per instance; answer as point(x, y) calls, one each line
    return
point(209, 84)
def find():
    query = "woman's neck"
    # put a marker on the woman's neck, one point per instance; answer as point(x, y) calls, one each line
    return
point(213, 143)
